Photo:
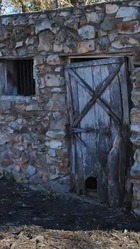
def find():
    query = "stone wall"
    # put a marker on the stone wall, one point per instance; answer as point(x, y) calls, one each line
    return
point(33, 141)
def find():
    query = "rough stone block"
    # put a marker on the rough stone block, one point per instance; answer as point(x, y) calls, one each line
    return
point(128, 12)
point(135, 139)
point(56, 103)
point(58, 48)
point(111, 8)
point(53, 59)
point(54, 144)
point(94, 17)
point(136, 57)
point(19, 44)
point(135, 128)
point(108, 24)
point(87, 32)
point(4, 138)
point(135, 97)
point(135, 170)
point(104, 43)
point(55, 134)
point(136, 192)
point(46, 24)
point(128, 27)
point(137, 212)
point(124, 42)
point(85, 46)
point(53, 80)
point(135, 116)
point(45, 41)
point(137, 155)
point(135, 78)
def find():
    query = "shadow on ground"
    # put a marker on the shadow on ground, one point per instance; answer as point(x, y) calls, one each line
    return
point(20, 206)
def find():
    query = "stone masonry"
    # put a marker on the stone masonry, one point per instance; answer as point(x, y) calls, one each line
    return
point(33, 139)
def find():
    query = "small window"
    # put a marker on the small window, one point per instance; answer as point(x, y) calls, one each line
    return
point(16, 77)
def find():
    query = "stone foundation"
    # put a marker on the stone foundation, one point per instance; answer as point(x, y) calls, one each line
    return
point(33, 138)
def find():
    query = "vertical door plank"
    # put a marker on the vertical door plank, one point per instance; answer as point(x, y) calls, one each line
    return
point(103, 145)
point(2, 78)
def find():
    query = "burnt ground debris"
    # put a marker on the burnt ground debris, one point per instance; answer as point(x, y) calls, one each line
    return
point(25, 214)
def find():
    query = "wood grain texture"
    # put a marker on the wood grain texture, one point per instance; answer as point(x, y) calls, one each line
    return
point(99, 111)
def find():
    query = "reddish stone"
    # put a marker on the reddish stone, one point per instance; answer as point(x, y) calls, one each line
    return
point(127, 27)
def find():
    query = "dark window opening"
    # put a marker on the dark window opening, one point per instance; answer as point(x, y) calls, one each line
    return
point(84, 59)
point(17, 77)
point(91, 183)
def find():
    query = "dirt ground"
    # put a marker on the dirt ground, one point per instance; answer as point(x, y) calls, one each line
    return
point(31, 220)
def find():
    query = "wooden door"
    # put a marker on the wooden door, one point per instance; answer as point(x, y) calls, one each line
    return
point(99, 117)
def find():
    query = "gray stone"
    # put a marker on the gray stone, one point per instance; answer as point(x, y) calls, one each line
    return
point(72, 22)
point(135, 3)
point(137, 212)
point(128, 12)
point(104, 43)
point(1, 172)
point(120, 44)
point(54, 144)
point(29, 41)
point(135, 78)
point(53, 59)
point(64, 14)
point(87, 32)
point(52, 152)
point(108, 24)
point(135, 128)
point(135, 116)
point(85, 46)
point(45, 41)
point(135, 97)
point(46, 24)
point(55, 134)
point(52, 80)
point(112, 36)
point(135, 170)
point(14, 125)
point(135, 139)
point(137, 155)
point(19, 44)
point(58, 48)
point(4, 138)
point(94, 17)
point(111, 8)
point(30, 170)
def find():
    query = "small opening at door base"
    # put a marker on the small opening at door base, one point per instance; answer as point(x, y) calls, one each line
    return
point(91, 185)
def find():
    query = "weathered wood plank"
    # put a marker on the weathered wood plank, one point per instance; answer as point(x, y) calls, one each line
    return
point(2, 77)
point(123, 81)
point(98, 92)
point(69, 98)
point(108, 110)
point(103, 140)
point(80, 81)
point(96, 63)
point(89, 155)
point(113, 164)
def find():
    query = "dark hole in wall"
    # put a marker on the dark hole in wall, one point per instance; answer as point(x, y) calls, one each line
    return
point(82, 59)
point(91, 183)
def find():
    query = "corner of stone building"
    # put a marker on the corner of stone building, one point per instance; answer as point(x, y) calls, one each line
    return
point(135, 133)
